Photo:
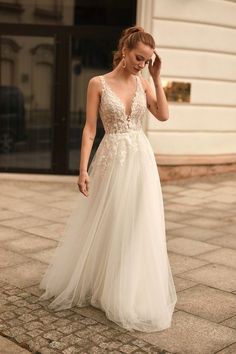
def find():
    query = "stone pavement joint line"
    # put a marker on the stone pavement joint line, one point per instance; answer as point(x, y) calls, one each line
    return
point(200, 218)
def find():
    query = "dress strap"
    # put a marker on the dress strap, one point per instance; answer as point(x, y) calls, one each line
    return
point(102, 81)
point(140, 84)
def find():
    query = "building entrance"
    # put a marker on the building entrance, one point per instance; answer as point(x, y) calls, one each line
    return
point(44, 72)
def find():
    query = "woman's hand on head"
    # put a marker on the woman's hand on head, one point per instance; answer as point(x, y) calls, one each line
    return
point(155, 68)
point(83, 183)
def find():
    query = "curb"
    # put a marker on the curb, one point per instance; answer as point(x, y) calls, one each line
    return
point(37, 177)
point(9, 347)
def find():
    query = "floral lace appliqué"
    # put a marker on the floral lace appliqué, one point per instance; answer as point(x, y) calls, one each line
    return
point(112, 111)
point(121, 134)
point(114, 148)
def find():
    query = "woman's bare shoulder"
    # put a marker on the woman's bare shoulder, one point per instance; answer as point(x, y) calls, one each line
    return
point(95, 83)
point(95, 80)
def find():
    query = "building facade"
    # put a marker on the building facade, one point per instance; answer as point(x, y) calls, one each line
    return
point(196, 41)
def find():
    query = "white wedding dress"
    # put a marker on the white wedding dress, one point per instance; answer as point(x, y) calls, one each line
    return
point(113, 254)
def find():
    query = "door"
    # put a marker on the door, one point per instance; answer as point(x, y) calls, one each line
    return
point(32, 99)
point(44, 73)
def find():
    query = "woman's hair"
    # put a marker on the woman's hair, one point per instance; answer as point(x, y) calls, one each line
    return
point(129, 39)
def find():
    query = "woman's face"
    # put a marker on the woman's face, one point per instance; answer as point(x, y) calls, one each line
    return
point(137, 58)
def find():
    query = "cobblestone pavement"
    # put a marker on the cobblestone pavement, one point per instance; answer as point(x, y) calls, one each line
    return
point(201, 239)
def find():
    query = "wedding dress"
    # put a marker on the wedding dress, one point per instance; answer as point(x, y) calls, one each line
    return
point(113, 255)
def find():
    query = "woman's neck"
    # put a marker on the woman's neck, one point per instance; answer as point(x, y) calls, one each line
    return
point(121, 73)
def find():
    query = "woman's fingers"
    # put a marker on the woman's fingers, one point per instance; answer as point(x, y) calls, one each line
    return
point(157, 55)
point(83, 184)
point(84, 188)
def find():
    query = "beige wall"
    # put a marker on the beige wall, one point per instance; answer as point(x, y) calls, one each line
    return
point(27, 16)
point(197, 43)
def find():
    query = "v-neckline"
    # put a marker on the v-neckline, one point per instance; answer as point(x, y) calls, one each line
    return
point(122, 103)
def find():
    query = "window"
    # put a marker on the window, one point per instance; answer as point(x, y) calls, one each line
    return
point(48, 9)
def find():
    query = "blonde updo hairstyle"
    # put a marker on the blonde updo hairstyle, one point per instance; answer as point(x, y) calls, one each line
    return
point(129, 39)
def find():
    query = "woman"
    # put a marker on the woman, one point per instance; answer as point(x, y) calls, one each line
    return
point(114, 253)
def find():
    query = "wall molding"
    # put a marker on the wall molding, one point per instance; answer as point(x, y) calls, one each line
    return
point(178, 160)
point(170, 173)
point(143, 18)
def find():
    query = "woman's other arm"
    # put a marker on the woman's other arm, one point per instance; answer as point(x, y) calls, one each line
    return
point(89, 132)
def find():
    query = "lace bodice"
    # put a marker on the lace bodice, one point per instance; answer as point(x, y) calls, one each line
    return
point(123, 133)
point(112, 110)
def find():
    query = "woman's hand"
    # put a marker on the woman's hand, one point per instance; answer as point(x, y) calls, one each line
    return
point(83, 183)
point(155, 68)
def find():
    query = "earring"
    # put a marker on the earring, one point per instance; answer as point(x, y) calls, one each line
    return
point(123, 61)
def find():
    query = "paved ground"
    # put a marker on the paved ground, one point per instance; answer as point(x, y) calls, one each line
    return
point(201, 233)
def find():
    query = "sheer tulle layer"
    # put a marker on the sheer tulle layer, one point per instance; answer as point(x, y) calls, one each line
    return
point(113, 254)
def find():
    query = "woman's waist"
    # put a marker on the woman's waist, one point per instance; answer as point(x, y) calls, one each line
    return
point(128, 131)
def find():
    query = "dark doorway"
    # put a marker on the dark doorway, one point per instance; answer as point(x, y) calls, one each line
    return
point(44, 75)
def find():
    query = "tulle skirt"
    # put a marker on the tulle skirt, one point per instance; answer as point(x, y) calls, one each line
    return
point(113, 254)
